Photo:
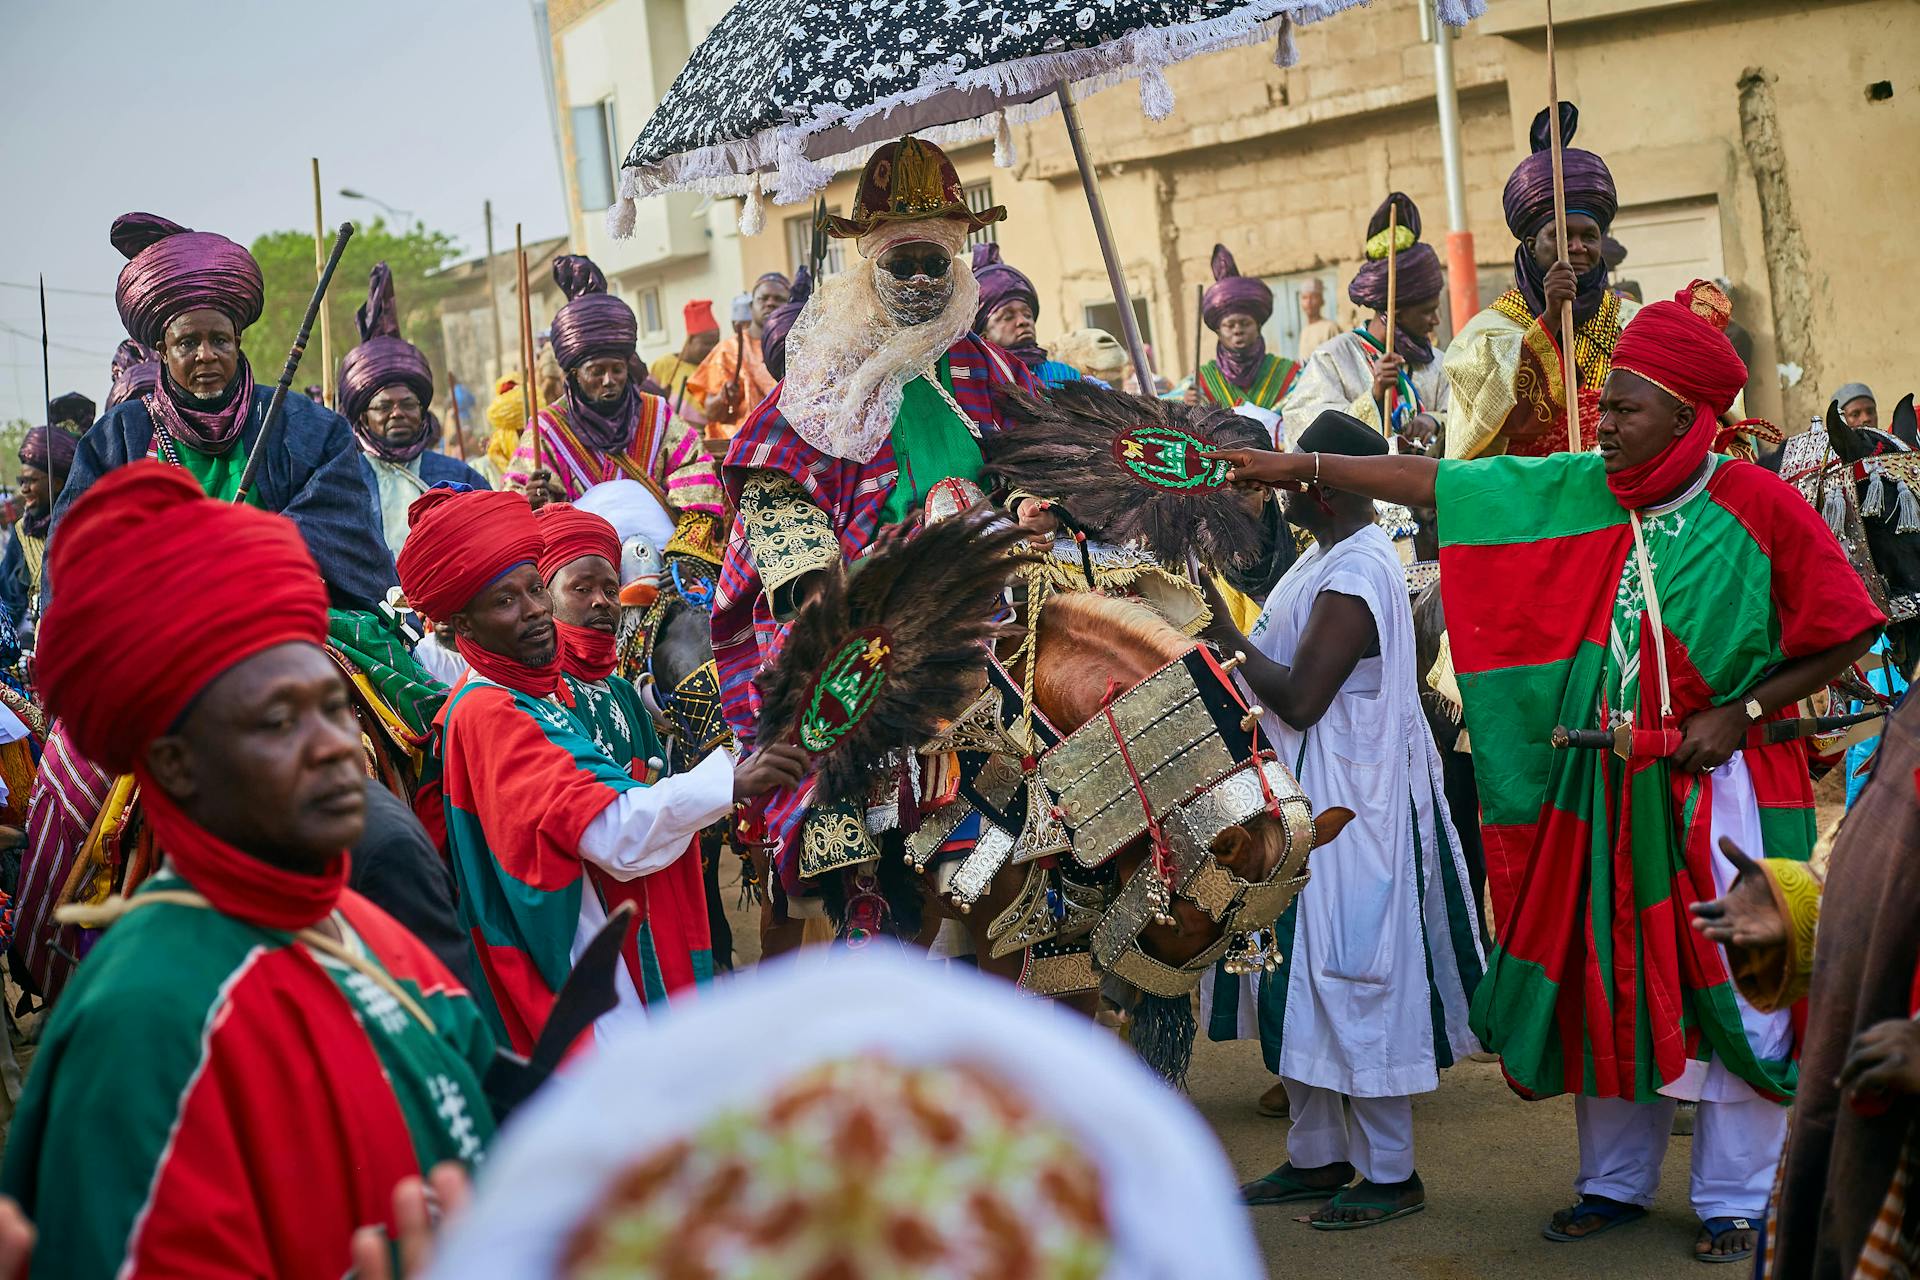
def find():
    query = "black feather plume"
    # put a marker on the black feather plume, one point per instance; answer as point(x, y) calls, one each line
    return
point(1066, 447)
point(934, 597)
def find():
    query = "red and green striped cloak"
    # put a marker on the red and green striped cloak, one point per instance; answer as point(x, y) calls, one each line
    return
point(523, 781)
point(212, 1099)
point(1597, 984)
point(1271, 382)
point(672, 946)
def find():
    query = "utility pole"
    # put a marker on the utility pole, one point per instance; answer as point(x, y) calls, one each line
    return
point(493, 299)
point(1463, 275)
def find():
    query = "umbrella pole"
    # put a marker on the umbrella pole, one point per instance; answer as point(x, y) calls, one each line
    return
point(1090, 183)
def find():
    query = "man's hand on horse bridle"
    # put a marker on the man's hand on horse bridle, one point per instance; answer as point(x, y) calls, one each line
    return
point(769, 769)
point(1036, 516)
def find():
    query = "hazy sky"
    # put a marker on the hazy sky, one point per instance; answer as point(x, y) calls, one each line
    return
point(208, 112)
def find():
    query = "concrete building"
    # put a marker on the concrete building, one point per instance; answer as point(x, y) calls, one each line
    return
point(1763, 142)
point(612, 59)
point(467, 315)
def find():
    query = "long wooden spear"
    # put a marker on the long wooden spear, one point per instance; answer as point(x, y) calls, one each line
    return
point(1393, 307)
point(328, 392)
point(1199, 329)
point(531, 382)
point(279, 400)
point(1569, 370)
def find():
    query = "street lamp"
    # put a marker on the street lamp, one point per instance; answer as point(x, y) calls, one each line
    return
point(350, 194)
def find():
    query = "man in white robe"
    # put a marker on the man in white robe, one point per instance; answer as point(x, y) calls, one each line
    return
point(1382, 949)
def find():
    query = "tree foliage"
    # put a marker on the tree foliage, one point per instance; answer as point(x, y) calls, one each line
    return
point(287, 262)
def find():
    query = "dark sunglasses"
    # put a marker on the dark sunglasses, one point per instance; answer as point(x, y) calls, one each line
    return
point(906, 263)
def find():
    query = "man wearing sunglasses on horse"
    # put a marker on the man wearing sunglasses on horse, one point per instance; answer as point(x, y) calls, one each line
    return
point(887, 393)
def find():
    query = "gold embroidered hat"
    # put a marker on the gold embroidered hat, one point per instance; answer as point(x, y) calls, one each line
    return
point(907, 181)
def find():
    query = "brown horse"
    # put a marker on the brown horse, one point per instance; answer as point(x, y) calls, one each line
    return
point(1089, 648)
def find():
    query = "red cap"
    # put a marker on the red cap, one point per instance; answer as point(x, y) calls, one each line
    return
point(699, 316)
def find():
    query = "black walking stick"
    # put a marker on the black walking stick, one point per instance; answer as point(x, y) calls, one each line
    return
point(46, 373)
point(279, 400)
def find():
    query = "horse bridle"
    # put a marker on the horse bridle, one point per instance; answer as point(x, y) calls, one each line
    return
point(692, 706)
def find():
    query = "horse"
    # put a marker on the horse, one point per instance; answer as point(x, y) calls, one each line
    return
point(1084, 788)
point(1089, 648)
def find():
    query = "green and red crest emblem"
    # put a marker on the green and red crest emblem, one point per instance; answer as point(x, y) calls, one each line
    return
point(845, 690)
point(1169, 459)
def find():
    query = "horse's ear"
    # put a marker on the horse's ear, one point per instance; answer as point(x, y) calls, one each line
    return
point(1905, 428)
point(1848, 444)
point(1329, 823)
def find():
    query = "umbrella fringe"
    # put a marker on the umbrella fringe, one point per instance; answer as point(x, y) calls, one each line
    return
point(730, 168)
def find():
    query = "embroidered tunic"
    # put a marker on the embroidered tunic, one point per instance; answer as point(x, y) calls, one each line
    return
point(1507, 356)
point(212, 1098)
point(665, 455)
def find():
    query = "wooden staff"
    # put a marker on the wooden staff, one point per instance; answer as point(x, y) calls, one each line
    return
point(529, 390)
point(453, 407)
point(327, 389)
point(1569, 371)
point(1199, 336)
point(1393, 305)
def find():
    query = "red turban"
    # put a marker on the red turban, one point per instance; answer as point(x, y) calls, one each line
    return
point(571, 533)
point(1680, 347)
point(241, 579)
point(459, 542)
point(698, 315)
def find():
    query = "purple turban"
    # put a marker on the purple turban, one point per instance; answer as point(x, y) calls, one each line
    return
point(777, 277)
point(49, 449)
point(593, 322)
point(383, 357)
point(1231, 292)
point(773, 339)
point(1528, 199)
point(999, 284)
point(136, 371)
point(172, 270)
point(1416, 265)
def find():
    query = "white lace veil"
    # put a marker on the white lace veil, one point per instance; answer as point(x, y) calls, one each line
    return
point(848, 360)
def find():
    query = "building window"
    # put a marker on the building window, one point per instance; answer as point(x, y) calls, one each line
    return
point(1104, 315)
point(652, 323)
point(594, 162)
point(800, 245)
point(1282, 331)
point(979, 198)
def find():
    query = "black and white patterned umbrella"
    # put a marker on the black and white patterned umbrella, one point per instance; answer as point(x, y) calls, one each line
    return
point(783, 94)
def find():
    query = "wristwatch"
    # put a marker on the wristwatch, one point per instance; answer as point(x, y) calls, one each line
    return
point(1755, 712)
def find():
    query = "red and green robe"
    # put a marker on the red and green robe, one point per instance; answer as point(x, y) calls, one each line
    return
point(523, 781)
point(1598, 985)
point(673, 946)
point(213, 1099)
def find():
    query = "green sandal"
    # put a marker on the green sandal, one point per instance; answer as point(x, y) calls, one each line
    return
point(1284, 1187)
point(1346, 1199)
